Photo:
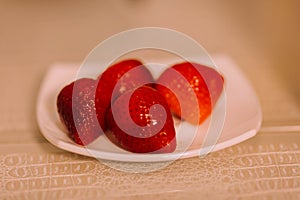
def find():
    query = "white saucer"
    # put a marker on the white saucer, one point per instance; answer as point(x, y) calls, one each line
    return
point(242, 121)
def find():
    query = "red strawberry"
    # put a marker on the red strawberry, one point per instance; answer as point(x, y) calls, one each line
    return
point(76, 108)
point(141, 122)
point(124, 76)
point(191, 90)
point(119, 78)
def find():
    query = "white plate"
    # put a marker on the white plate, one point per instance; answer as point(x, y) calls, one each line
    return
point(242, 121)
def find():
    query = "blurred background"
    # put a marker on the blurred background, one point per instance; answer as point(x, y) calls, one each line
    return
point(262, 37)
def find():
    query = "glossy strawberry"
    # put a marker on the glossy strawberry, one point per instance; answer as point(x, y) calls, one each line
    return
point(191, 90)
point(141, 122)
point(76, 108)
point(124, 76)
point(119, 78)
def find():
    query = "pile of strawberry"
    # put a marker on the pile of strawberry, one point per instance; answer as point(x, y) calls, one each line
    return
point(135, 111)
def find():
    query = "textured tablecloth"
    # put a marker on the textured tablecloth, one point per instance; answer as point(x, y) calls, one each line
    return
point(265, 166)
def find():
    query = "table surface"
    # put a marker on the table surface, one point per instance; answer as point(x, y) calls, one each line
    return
point(262, 37)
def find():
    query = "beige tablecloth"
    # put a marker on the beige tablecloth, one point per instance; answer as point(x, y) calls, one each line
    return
point(262, 39)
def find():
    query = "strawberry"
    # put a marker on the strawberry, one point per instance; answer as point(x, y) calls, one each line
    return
point(76, 108)
point(124, 76)
point(141, 122)
point(119, 78)
point(191, 90)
